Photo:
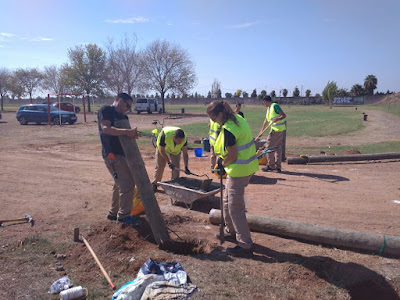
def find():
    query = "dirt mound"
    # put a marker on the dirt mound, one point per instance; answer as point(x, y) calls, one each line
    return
point(391, 99)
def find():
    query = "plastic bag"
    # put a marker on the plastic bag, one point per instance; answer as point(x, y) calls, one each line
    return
point(137, 203)
point(173, 272)
point(60, 285)
point(134, 289)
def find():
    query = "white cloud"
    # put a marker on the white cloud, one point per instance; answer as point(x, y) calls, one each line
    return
point(244, 25)
point(170, 24)
point(7, 34)
point(129, 20)
point(41, 39)
point(1, 46)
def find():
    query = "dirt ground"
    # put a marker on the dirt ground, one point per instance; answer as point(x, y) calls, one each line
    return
point(56, 175)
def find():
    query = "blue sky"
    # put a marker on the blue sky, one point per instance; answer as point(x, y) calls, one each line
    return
point(265, 44)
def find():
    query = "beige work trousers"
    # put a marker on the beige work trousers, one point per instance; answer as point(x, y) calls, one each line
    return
point(160, 166)
point(275, 139)
point(213, 157)
point(234, 210)
point(123, 189)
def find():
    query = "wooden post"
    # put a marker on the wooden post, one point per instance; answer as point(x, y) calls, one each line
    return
point(377, 243)
point(334, 158)
point(142, 181)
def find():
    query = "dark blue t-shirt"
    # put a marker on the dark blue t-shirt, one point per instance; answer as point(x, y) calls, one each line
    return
point(110, 143)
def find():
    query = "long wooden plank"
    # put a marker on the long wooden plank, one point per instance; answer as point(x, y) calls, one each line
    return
point(377, 243)
point(142, 181)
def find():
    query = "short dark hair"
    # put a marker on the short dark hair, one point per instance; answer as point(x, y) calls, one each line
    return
point(239, 104)
point(179, 134)
point(124, 96)
point(267, 98)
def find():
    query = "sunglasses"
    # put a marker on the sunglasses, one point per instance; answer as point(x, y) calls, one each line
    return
point(128, 106)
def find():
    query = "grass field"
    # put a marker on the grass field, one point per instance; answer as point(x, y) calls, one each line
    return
point(302, 122)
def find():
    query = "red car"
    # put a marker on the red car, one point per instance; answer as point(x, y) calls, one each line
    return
point(67, 106)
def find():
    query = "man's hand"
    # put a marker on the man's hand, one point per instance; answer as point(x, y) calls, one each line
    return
point(274, 120)
point(132, 133)
point(171, 165)
point(187, 172)
point(220, 162)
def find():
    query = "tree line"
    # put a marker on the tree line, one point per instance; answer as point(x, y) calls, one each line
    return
point(119, 67)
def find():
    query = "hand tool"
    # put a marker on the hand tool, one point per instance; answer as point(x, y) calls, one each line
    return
point(260, 134)
point(222, 223)
point(268, 150)
point(26, 218)
point(98, 263)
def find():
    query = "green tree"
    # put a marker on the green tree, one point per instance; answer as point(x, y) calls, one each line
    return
point(284, 92)
point(245, 95)
point(228, 95)
point(209, 94)
point(357, 90)
point(308, 93)
point(219, 94)
point(370, 83)
point(85, 70)
point(216, 86)
point(168, 67)
point(296, 92)
point(5, 77)
point(124, 66)
point(52, 80)
point(29, 80)
point(263, 93)
point(329, 92)
point(238, 93)
point(254, 94)
point(273, 93)
point(342, 92)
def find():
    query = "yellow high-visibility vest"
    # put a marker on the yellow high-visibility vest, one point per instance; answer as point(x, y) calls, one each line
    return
point(170, 147)
point(246, 162)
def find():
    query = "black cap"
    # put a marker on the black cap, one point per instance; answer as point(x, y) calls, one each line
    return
point(267, 98)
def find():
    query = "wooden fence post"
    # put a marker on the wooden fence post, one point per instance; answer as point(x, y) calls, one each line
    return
point(142, 181)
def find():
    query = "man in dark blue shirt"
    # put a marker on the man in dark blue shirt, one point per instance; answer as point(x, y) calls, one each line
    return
point(114, 158)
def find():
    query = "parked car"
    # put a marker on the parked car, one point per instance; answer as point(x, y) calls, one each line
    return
point(67, 106)
point(38, 113)
point(149, 105)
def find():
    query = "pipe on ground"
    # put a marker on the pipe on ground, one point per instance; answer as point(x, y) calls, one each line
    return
point(377, 243)
point(333, 158)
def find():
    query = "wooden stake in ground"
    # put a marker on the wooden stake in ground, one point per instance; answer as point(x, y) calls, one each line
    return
point(142, 181)
point(332, 158)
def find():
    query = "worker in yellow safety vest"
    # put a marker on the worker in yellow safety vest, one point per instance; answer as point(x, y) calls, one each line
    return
point(274, 118)
point(215, 128)
point(236, 153)
point(171, 141)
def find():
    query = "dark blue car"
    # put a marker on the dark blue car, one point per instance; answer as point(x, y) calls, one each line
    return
point(38, 113)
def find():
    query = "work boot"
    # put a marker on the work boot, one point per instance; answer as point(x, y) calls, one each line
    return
point(131, 220)
point(279, 170)
point(111, 218)
point(239, 252)
point(228, 237)
point(266, 169)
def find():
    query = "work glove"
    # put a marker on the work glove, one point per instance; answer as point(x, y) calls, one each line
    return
point(187, 172)
point(222, 171)
point(171, 165)
point(219, 162)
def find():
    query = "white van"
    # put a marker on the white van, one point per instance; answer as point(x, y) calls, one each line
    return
point(149, 105)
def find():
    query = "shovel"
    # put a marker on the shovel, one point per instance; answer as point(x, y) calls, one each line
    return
point(205, 184)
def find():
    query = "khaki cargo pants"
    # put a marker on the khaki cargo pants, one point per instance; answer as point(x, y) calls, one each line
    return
point(275, 139)
point(160, 166)
point(124, 187)
point(234, 210)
